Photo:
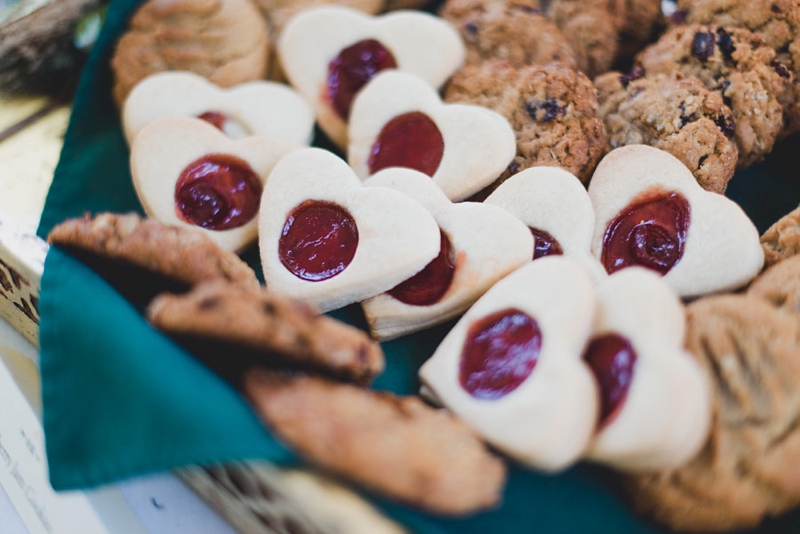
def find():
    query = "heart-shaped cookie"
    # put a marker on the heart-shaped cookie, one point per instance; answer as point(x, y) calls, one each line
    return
point(512, 367)
point(398, 120)
point(252, 108)
point(187, 172)
point(330, 52)
point(554, 204)
point(327, 239)
point(480, 245)
point(655, 400)
point(650, 212)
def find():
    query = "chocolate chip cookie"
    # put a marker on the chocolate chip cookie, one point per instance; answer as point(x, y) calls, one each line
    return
point(740, 66)
point(552, 109)
point(673, 113)
point(782, 239)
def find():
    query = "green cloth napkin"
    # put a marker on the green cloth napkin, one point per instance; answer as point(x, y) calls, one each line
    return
point(121, 400)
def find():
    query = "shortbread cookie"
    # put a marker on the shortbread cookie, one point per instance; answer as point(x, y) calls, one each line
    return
point(782, 239)
point(398, 120)
point(327, 239)
point(655, 403)
point(516, 31)
point(252, 108)
point(142, 257)
point(397, 446)
point(230, 325)
point(747, 469)
point(780, 285)
point(512, 367)
point(675, 114)
point(777, 21)
point(552, 109)
point(651, 212)
point(225, 41)
point(480, 244)
point(330, 52)
point(188, 172)
point(736, 63)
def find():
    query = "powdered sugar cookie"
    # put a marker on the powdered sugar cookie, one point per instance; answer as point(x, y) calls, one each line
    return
point(480, 244)
point(187, 172)
point(398, 120)
point(327, 239)
point(330, 52)
point(512, 367)
point(651, 212)
point(252, 108)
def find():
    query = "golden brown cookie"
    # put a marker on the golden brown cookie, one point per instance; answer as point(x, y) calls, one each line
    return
point(780, 285)
point(782, 239)
point(643, 21)
point(552, 109)
point(225, 41)
point(397, 446)
point(748, 468)
point(223, 322)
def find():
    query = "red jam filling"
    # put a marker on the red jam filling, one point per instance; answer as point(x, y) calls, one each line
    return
point(352, 69)
point(218, 192)
point(612, 360)
point(500, 352)
point(650, 232)
point(409, 140)
point(430, 284)
point(318, 241)
point(214, 118)
point(544, 244)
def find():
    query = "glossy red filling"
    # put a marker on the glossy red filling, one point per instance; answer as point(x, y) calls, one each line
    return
point(218, 192)
point(352, 69)
point(650, 232)
point(409, 140)
point(214, 118)
point(499, 353)
point(318, 241)
point(612, 360)
point(544, 244)
point(430, 284)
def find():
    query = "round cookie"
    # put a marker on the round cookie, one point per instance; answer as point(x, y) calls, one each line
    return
point(780, 285)
point(516, 31)
point(736, 63)
point(777, 21)
point(552, 109)
point(747, 468)
point(673, 113)
point(782, 239)
point(643, 20)
point(173, 35)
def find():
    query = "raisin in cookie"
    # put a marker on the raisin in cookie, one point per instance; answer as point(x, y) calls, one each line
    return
point(225, 41)
point(777, 21)
point(673, 113)
point(736, 63)
point(748, 467)
point(782, 239)
point(513, 30)
point(780, 285)
point(552, 109)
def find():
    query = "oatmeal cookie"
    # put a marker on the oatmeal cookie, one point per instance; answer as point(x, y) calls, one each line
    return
point(398, 446)
point(780, 285)
point(673, 113)
point(512, 30)
point(736, 63)
point(225, 41)
point(748, 467)
point(643, 21)
point(223, 320)
point(782, 239)
point(777, 21)
point(552, 109)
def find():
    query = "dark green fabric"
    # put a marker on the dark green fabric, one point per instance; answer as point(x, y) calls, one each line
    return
point(121, 400)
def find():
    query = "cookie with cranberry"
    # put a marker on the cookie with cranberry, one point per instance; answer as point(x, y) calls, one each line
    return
point(673, 113)
point(740, 66)
point(513, 30)
point(780, 285)
point(230, 325)
point(747, 469)
point(552, 109)
point(777, 21)
point(225, 41)
point(643, 21)
point(782, 239)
